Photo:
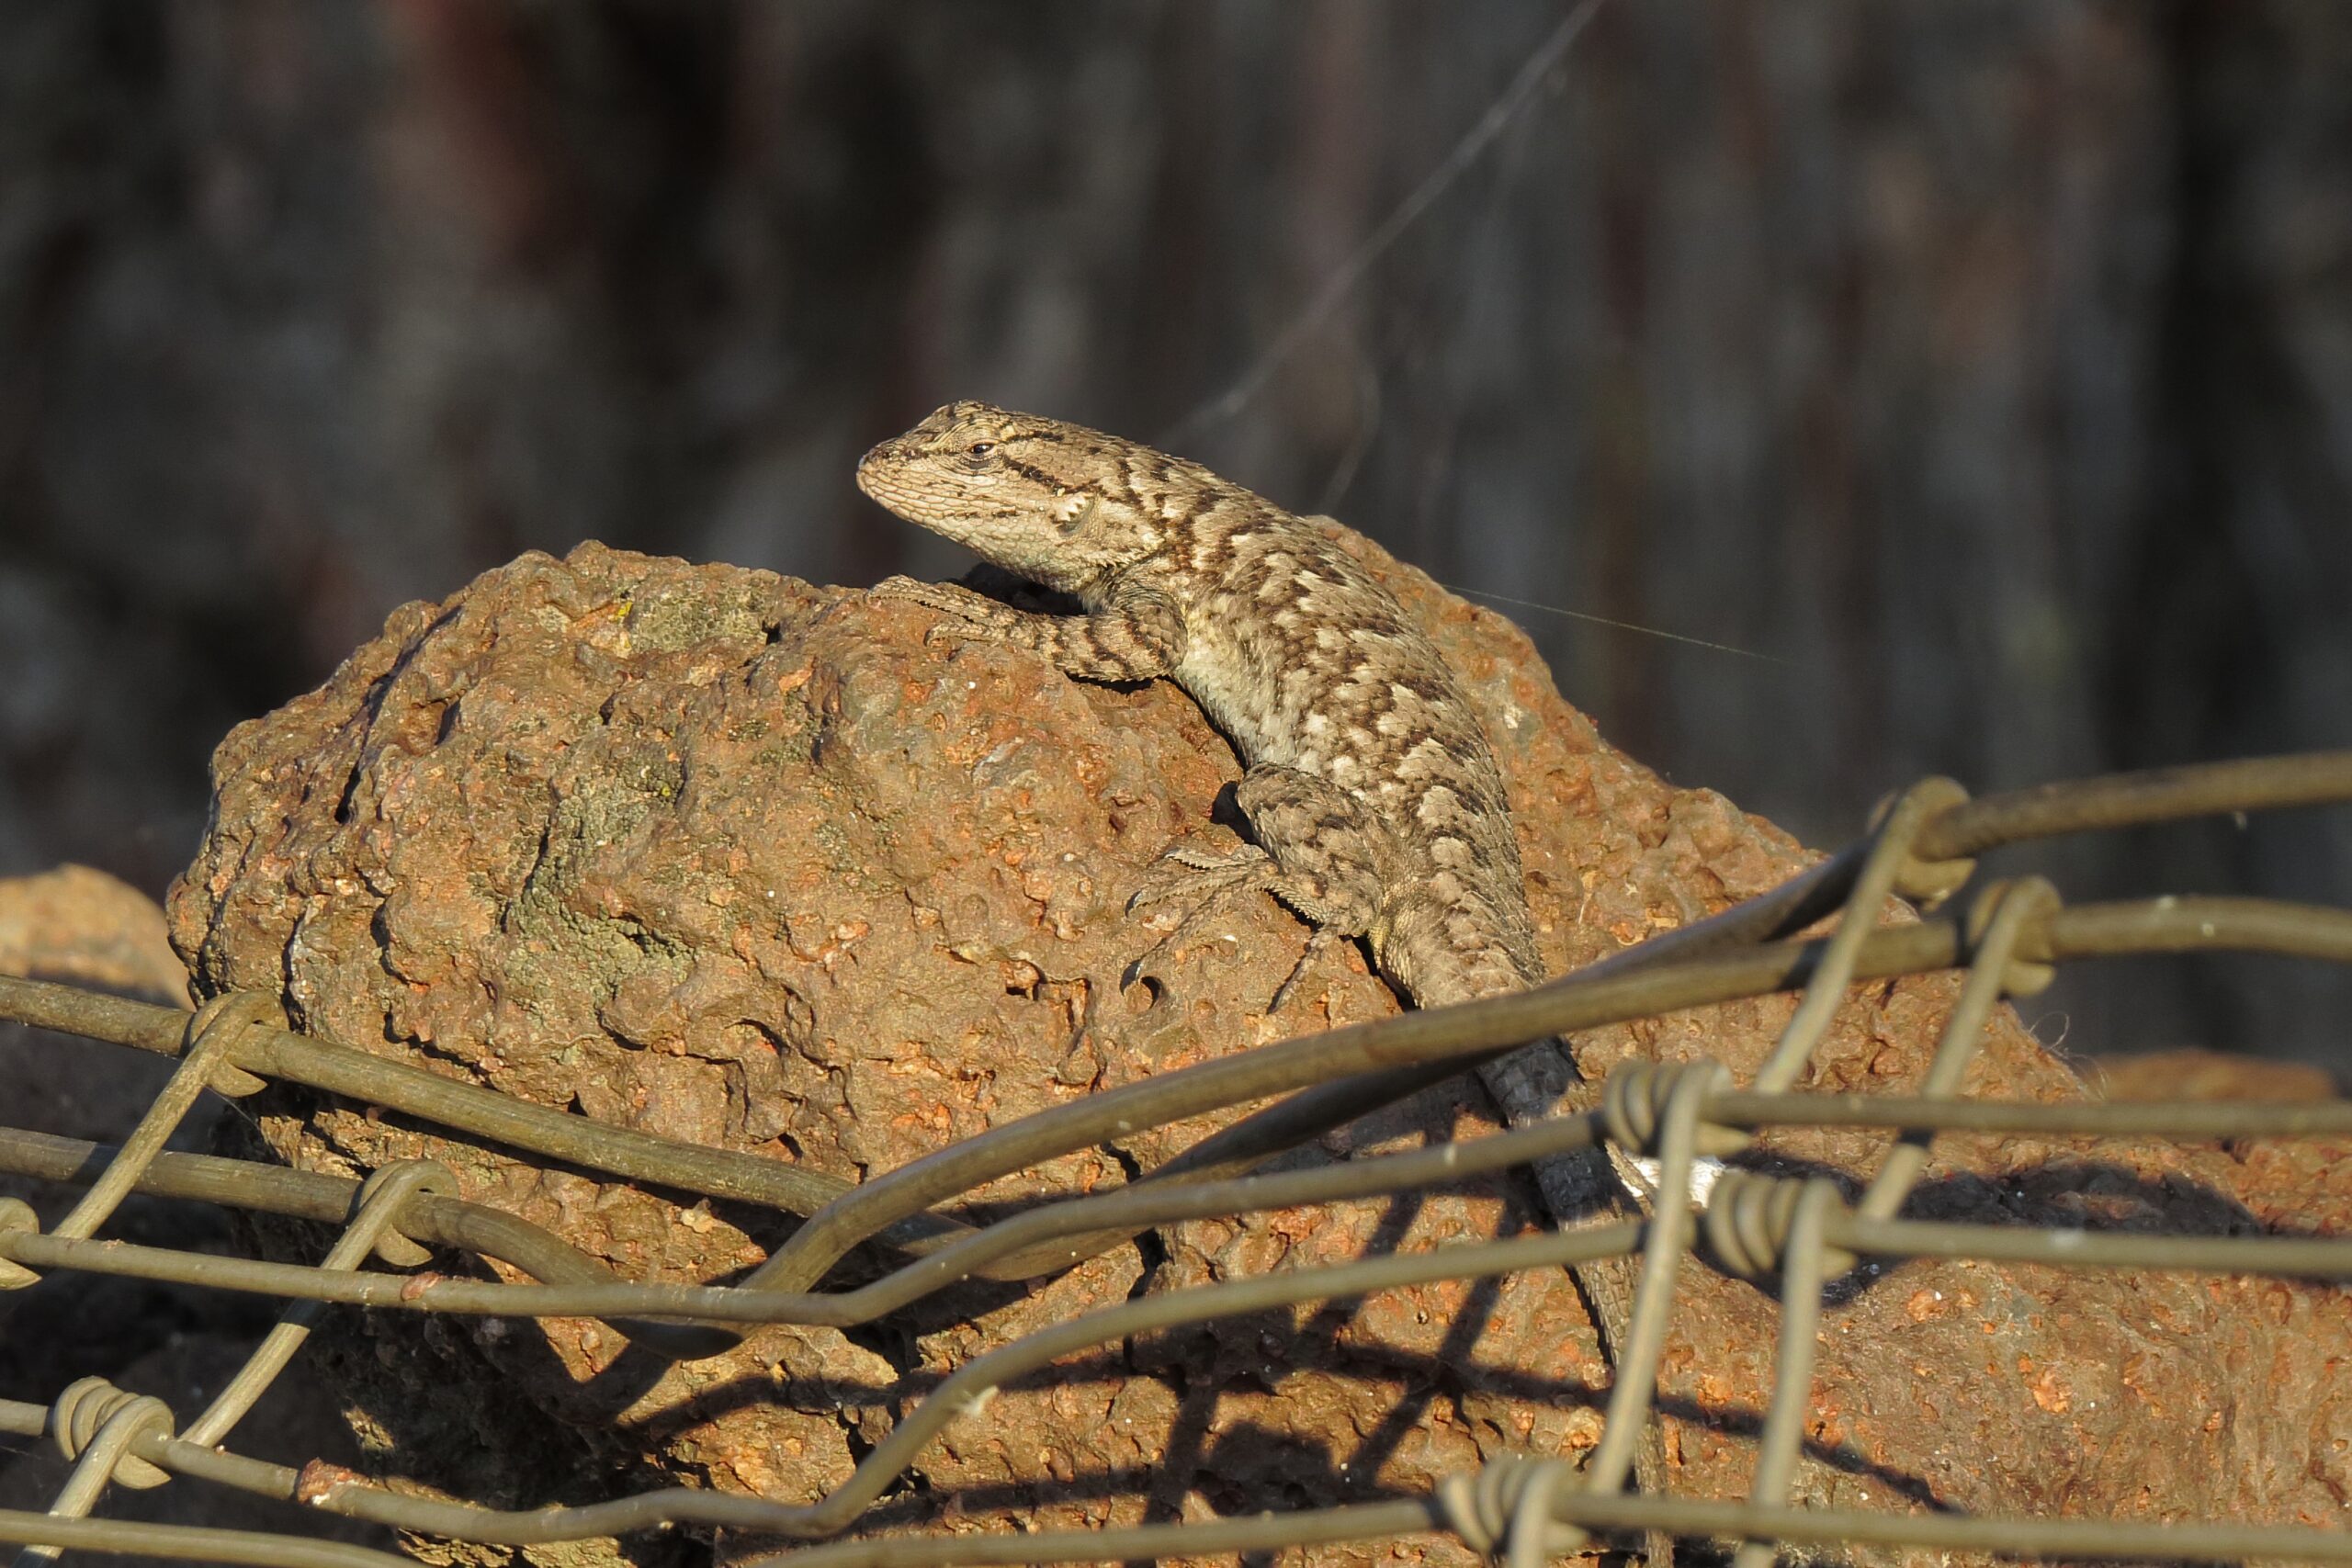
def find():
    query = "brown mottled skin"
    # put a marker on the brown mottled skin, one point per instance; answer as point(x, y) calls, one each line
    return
point(1371, 790)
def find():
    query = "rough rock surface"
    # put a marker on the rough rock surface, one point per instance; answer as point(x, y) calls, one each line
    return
point(84, 928)
point(746, 861)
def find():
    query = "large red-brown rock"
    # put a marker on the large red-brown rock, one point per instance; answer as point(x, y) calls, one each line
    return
point(749, 863)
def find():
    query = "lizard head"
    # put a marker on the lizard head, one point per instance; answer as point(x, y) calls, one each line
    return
point(1055, 503)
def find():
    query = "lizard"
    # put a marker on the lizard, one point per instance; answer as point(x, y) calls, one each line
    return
point(1374, 804)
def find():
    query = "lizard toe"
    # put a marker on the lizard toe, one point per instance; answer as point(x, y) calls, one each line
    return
point(1209, 882)
point(1318, 940)
point(1204, 875)
point(960, 604)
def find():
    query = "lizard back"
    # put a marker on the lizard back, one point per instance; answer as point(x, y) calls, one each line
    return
point(1306, 662)
point(1302, 659)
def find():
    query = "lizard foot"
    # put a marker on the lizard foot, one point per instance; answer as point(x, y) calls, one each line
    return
point(1208, 878)
point(1213, 879)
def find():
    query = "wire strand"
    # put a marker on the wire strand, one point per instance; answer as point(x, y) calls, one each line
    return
point(1499, 114)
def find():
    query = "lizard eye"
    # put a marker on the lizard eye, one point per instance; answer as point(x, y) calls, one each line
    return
point(979, 449)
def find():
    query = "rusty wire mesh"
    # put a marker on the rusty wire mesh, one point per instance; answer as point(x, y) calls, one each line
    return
point(1795, 1235)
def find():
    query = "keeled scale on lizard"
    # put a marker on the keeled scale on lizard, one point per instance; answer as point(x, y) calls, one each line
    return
point(1371, 790)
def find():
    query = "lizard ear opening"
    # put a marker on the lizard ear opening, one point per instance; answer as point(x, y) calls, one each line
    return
point(1079, 517)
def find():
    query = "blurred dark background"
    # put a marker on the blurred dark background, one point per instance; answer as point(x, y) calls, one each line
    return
point(1987, 366)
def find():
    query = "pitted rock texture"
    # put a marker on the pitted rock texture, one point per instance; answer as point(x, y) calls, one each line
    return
point(749, 863)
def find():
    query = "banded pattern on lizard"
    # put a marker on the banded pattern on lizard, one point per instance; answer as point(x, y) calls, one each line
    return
point(1371, 792)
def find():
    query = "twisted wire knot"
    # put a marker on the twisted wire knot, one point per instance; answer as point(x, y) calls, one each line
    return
point(385, 1193)
point(1748, 1219)
point(1507, 1503)
point(1994, 927)
point(17, 1218)
point(225, 1017)
point(1634, 1099)
point(77, 1415)
point(1926, 882)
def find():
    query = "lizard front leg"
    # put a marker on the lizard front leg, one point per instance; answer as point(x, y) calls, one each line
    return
point(1316, 849)
point(1139, 634)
